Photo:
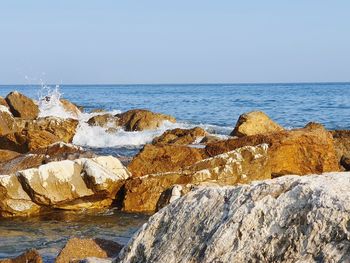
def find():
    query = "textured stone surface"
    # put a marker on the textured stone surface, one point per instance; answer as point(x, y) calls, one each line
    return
point(154, 159)
point(300, 151)
point(139, 120)
point(255, 122)
point(30, 256)
point(3, 102)
point(78, 249)
point(239, 166)
point(70, 107)
point(180, 136)
point(6, 155)
point(22, 106)
point(104, 120)
point(342, 146)
point(7, 122)
point(288, 219)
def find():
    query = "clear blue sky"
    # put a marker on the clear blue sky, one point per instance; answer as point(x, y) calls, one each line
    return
point(182, 41)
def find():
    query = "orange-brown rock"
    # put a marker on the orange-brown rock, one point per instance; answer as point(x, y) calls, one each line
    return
point(255, 122)
point(17, 142)
point(104, 120)
point(341, 143)
point(78, 249)
point(6, 155)
point(180, 136)
point(242, 165)
point(139, 120)
point(70, 107)
point(22, 162)
point(7, 122)
point(154, 159)
point(22, 106)
point(301, 151)
point(3, 102)
point(30, 256)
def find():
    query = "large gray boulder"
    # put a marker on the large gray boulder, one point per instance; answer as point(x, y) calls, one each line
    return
point(288, 219)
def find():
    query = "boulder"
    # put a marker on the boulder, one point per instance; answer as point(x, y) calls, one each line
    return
point(139, 120)
point(342, 145)
point(242, 165)
point(6, 155)
point(14, 201)
point(71, 108)
point(105, 120)
point(154, 159)
point(22, 106)
point(255, 122)
point(181, 136)
point(300, 151)
point(30, 256)
point(78, 249)
point(17, 142)
point(3, 102)
point(7, 122)
point(288, 219)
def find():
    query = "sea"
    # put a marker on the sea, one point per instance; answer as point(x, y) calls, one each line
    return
point(214, 107)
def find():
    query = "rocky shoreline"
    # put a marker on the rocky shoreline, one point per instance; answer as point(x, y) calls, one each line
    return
point(216, 194)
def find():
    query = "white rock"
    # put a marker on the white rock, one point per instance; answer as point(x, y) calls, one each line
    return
point(288, 219)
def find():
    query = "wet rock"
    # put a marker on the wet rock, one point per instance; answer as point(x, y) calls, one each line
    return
point(239, 166)
point(78, 249)
point(6, 155)
point(14, 201)
point(22, 106)
point(154, 159)
point(105, 120)
point(22, 162)
point(7, 122)
point(98, 110)
point(288, 219)
point(210, 139)
point(181, 136)
point(139, 120)
point(30, 256)
point(342, 144)
point(300, 151)
point(70, 107)
point(255, 122)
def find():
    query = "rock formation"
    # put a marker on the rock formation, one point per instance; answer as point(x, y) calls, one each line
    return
point(180, 136)
point(288, 219)
point(342, 147)
point(255, 122)
point(22, 106)
point(30, 256)
point(70, 107)
point(7, 122)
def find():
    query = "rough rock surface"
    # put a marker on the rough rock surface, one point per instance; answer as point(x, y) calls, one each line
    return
point(300, 151)
point(243, 165)
point(77, 249)
point(288, 219)
point(180, 136)
point(154, 159)
point(70, 107)
point(342, 146)
point(6, 155)
point(104, 120)
point(16, 142)
point(7, 122)
point(255, 122)
point(3, 102)
point(30, 256)
point(22, 106)
point(139, 120)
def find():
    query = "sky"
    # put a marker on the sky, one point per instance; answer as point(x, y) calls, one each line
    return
point(182, 41)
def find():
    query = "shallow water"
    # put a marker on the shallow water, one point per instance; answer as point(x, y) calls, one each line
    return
point(50, 232)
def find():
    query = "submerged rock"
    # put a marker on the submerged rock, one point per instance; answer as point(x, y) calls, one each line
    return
point(181, 136)
point(288, 219)
point(22, 106)
point(30, 256)
point(104, 120)
point(299, 151)
point(154, 159)
point(255, 122)
point(78, 249)
point(139, 120)
point(239, 166)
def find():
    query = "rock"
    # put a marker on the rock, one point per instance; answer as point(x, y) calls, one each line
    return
point(7, 122)
point(6, 155)
point(342, 145)
point(180, 136)
point(70, 107)
point(78, 249)
point(300, 151)
point(242, 165)
point(55, 152)
point(64, 129)
point(14, 201)
point(22, 106)
point(139, 120)
point(17, 142)
point(255, 122)
point(30, 256)
point(39, 139)
point(210, 139)
point(154, 159)
point(105, 120)
point(3, 102)
point(288, 219)
point(345, 162)
point(97, 111)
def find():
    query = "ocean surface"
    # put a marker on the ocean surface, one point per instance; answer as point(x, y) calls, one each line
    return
point(214, 107)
